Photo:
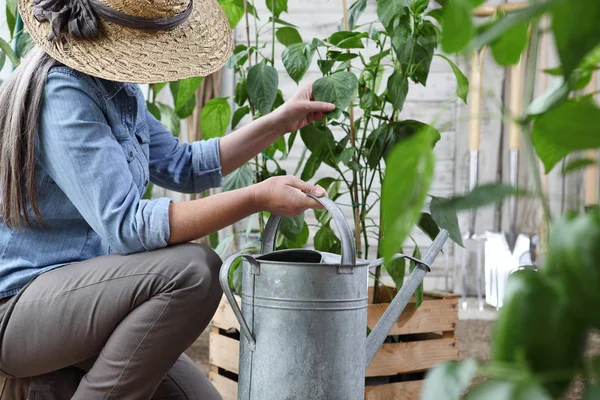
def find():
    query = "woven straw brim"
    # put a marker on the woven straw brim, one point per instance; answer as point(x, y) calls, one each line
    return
point(199, 47)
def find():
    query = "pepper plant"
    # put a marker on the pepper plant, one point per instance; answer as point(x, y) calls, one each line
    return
point(404, 37)
point(539, 339)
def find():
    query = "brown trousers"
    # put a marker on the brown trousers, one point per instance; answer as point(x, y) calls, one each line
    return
point(113, 327)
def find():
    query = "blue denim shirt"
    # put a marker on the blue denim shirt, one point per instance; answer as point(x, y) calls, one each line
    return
point(98, 149)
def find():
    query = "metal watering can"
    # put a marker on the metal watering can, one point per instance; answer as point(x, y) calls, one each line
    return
point(304, 317)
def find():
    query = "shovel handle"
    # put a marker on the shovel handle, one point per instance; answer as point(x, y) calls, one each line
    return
point(224, 280)
point(348, 247)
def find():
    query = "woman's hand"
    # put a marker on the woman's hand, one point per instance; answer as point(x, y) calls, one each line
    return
point(286, 196)
point(300, 110)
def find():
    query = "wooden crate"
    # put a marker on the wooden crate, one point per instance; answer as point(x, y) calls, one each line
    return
point(421, 338)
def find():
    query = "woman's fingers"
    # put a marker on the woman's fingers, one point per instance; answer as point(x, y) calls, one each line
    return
point(318, 106)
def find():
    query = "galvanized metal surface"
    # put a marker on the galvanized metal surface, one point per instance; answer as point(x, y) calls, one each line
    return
point(304, 319)
point(392, 313)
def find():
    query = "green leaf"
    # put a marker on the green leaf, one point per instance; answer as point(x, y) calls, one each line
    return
point(2, 60)
point(449, 380)
point(282, 22)
point(419, 292)
point(576, 31)
point(348, 40)
point(236, 274)
point(157, 87)
point(263, 81)
point(317, 138)
point(507, 48)
point(326, 240)
point(554, 96)
point(480, 196)
point(428, 225)
point(241, 92)
point(148, 193)
point(169, 118)
point(437, 14)
point(292, 226)
point(238, 179)
point(404, 190)
point(497, 30)
point(184, 91)
point(397, 270)
point(239, 57)
point(419, 6)
point(462, 83)
point(11, 15)
point(288, 36)
point(277, 7)
point(446, 218)
point(238, 115)
point(554, 134)
point(427, 42)
point(154, 110)
point(457, 25)
point(6, 49)
point(403, 41)
point(339, 88)
point(24, 44)
point(355, 11)
point(578, 164)
point(312, 165)
point(215, 117)
point(389, 11)
point(397, 87)
point(234, 9)
point(325, 66)
point(346, 155)
point(297, 59)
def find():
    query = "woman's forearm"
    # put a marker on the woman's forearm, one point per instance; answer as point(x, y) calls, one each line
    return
point(190, 220)
point(240, 146)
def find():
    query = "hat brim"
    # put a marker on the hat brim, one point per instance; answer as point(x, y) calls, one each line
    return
point(199, 47)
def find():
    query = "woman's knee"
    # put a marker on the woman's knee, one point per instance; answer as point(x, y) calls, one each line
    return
point(200, 270)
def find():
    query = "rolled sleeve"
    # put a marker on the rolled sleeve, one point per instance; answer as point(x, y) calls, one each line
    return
point(154, 215)
point(206, 162)
point(182, 167)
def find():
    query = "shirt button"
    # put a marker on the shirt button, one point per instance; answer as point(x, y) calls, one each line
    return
point(129, 107)
point(146, 182)
point(131, 154)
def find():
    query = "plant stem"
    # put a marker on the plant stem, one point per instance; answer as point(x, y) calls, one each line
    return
point(273, 33)
point(302, 157)
point(354, 191)
point(532, 58)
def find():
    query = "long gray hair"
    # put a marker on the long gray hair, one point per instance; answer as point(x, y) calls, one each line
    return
point(21, 99)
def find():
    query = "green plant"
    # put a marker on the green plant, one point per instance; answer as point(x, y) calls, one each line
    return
point(405, 37)
point(538, 342)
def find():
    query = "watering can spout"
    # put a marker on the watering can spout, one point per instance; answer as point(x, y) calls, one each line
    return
point(392, 313)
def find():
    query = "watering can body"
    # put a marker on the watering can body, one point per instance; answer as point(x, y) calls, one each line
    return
point(308, 322)
point(303, 320)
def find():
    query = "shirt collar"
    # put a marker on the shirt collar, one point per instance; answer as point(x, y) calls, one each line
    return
point(111, 87)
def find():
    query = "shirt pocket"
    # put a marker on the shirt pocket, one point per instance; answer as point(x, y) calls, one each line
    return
point(143, 138)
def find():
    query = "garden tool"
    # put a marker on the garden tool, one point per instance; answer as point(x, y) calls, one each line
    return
point(304, 316)
point(471, 240)
point(506, 252)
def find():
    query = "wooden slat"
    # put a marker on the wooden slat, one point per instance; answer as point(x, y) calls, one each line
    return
point(224, 352)
point(395, 391)
point(386, 295)
point(400, 358)
point(226, 387)
point(224, 318)
point(431, 316)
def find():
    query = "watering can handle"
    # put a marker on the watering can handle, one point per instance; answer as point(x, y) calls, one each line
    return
point(348, 246)
point(224, 279)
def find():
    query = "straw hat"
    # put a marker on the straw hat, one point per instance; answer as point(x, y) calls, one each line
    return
point(179, 38)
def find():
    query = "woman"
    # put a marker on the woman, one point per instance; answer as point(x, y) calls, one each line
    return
point(92, 277)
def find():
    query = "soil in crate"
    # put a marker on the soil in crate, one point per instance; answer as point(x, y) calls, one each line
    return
point(421, 338)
